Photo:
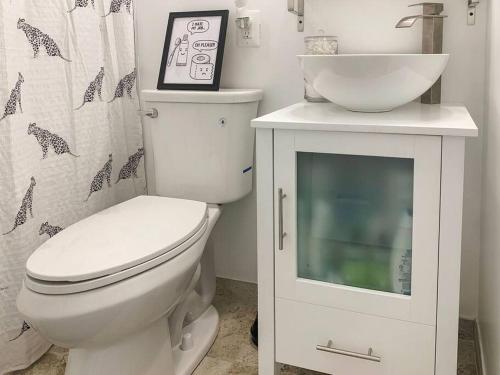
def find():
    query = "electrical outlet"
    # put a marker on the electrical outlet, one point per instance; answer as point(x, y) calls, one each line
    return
point(249, 37)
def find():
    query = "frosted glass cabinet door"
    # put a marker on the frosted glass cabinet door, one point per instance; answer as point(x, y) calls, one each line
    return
point(360, 221)
point(355, 220)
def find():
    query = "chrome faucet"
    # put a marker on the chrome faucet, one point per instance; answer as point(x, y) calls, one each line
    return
point(432, 40)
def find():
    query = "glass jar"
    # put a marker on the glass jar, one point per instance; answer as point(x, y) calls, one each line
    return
point(319, 45)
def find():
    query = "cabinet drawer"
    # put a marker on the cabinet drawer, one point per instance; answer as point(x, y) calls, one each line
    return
point(403, 348)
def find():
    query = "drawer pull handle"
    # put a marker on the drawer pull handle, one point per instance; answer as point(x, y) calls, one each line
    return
point(281, 234)
point(330, 349)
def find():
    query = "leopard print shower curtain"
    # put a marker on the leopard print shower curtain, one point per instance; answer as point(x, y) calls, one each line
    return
point(70, 135)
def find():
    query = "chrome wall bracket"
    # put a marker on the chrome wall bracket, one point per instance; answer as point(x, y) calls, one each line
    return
point(471, 12)
point(297, 7)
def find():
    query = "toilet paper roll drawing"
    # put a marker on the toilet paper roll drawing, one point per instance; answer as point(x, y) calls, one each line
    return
point(202, 68)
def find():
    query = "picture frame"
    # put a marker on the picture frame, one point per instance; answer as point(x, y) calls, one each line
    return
point(193, 51)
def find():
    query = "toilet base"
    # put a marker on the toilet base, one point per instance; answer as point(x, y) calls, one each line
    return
point(204, 331)
point(148, 352)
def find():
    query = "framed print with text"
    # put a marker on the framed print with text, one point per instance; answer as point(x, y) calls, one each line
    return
point(193, 51)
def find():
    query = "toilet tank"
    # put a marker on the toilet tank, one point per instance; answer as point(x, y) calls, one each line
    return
point(202, 143)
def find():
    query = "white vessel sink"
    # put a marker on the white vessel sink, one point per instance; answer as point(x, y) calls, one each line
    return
point(372, 83)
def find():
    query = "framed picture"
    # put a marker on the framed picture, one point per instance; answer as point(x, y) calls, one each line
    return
point(193, 51)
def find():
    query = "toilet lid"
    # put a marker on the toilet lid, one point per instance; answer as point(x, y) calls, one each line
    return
point(118, 238)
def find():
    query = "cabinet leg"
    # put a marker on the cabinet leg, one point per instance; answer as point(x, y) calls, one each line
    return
point(271, 368)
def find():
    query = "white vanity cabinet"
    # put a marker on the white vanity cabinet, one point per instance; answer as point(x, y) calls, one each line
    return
point(359, 231)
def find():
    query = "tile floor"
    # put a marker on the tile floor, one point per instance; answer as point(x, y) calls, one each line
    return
point(232, 352)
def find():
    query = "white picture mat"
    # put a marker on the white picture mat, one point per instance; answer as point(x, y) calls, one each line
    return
point(202, 69)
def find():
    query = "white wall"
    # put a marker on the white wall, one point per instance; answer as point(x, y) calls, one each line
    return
point(362, 26)
point(489, 303)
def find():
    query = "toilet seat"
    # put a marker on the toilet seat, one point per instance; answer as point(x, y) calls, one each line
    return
point(115, 244)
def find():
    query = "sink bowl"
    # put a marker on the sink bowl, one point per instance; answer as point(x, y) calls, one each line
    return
point(372, 83)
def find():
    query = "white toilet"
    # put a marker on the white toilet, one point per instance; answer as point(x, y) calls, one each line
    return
point(129, 290)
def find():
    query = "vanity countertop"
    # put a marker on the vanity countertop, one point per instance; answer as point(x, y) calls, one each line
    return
point(413, 118)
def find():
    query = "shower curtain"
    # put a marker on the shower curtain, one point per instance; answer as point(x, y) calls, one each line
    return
point(70, 136)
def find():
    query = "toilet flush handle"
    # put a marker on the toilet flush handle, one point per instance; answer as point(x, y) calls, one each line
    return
point(151, 113)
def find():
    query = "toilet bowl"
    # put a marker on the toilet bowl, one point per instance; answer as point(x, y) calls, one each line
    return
point(129, 290)
point(121, 322)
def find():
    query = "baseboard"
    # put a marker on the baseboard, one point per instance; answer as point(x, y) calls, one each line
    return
point(472, 318)
point(233, 278)
point(479, 349)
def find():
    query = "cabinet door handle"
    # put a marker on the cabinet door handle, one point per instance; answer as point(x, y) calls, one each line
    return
point(330, 349)
point(281, 234)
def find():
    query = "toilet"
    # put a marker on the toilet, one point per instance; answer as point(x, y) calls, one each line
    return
point(129, 290)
